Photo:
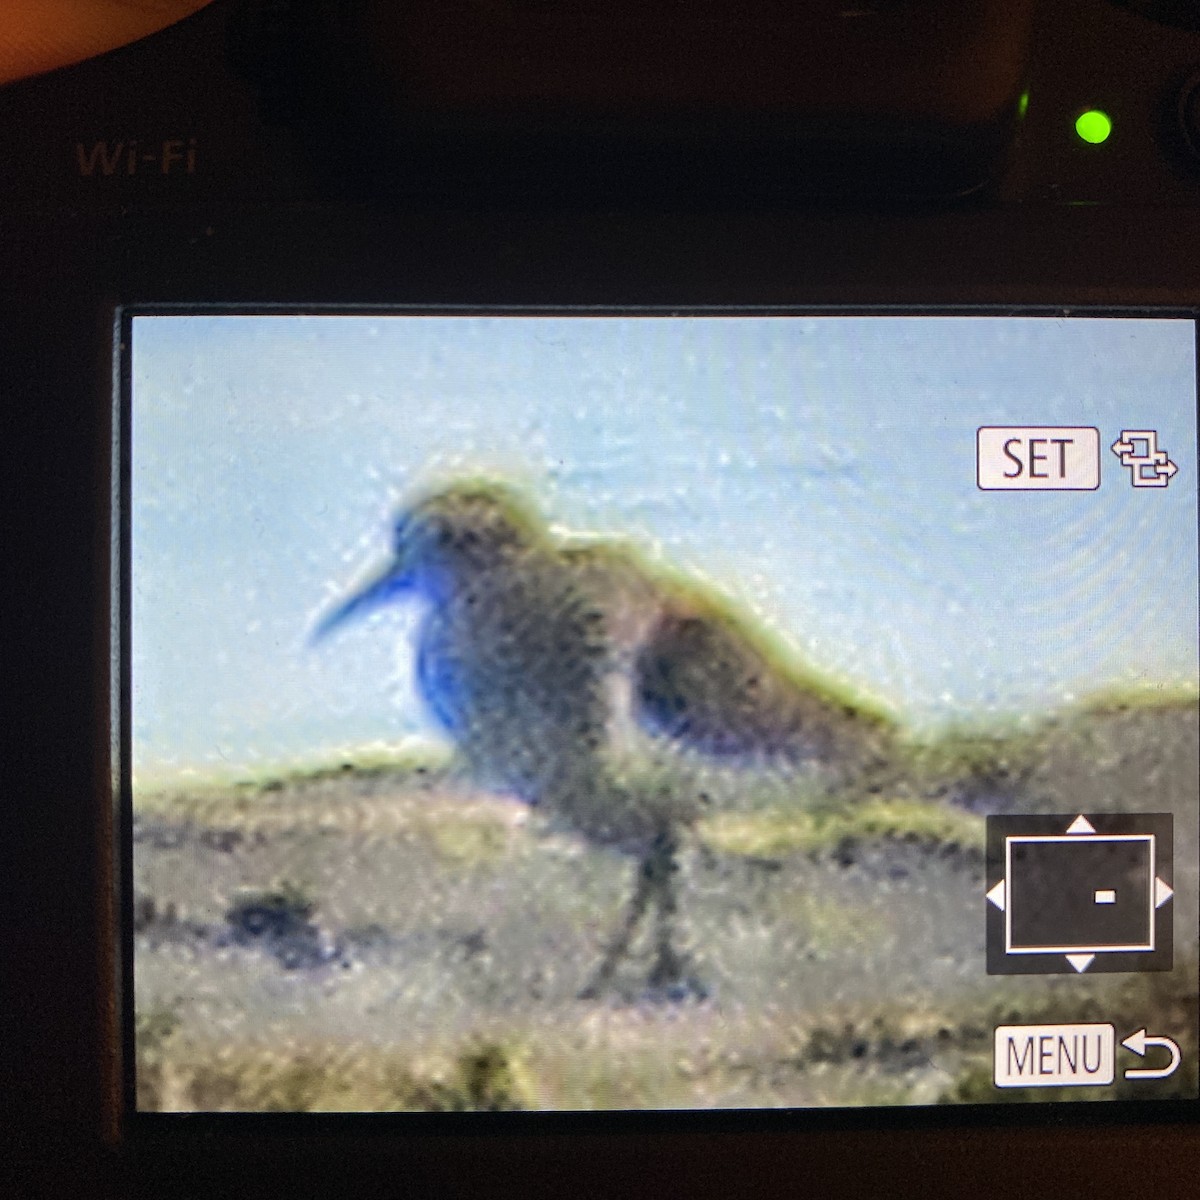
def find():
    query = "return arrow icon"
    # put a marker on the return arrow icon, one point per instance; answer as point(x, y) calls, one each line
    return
point(1137, 1042)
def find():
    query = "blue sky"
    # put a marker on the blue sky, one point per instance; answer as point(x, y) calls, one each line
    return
point(821, 471)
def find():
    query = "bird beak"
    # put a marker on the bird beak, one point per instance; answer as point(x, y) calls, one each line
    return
point(393, 581)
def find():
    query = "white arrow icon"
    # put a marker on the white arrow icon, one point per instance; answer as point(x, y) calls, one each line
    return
point(1137, 1042)
point(1081, 825)
point(1148, 465)
point(1081, 962)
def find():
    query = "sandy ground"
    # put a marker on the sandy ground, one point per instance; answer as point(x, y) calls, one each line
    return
point(449, 934)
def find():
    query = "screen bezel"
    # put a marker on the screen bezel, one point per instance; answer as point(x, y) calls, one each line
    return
point(155, 1125)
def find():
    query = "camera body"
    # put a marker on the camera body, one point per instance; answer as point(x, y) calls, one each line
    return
point(280, 156)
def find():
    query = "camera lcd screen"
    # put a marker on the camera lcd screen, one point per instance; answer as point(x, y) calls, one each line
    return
point(638, 711)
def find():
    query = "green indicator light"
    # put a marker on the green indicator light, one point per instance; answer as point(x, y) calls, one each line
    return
point(1093, 126)
point(1023, 104)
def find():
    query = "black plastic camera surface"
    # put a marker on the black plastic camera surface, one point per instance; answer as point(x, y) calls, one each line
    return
point(917, 157)
point(536, 105)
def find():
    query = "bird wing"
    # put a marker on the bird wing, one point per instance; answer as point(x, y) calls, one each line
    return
point(631, 598)
point(689, 668)
point(706, 679)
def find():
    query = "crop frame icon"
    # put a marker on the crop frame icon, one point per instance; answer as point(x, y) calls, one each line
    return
point(1073, 893)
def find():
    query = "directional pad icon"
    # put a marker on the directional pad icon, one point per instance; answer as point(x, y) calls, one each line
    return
point(1076, 892)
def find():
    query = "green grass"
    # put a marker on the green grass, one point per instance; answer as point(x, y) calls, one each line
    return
point(479, 1076)
point(1139, 697)
point(778, 833)
point(412, 801)
point(423, 763)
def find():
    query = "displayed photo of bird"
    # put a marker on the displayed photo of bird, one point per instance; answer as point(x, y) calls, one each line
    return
point(574, 675)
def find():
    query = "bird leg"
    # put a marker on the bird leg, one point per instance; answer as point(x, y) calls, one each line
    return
point(668, 969)
point(619, 946)
point(655, 884)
